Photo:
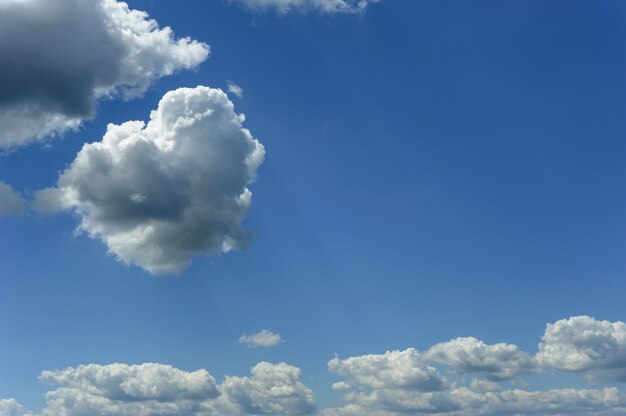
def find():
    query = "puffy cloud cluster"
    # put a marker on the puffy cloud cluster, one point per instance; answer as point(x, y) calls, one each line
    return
point(320, 6)
point(11, 203)
point(265, 338)
point(158, 389)
point(496, 362)
point(60, 57)
point(158, 193)
point(10, 407)
point(462, 377)
point(272, 389)
point(410, 382)
point(584, 344)
point(135, 382)
point(463, 401)
point(395, 369)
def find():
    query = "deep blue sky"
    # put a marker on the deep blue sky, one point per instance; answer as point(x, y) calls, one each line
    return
point(434, 169)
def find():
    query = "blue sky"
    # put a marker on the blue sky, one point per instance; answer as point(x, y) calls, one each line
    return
point(432, 170)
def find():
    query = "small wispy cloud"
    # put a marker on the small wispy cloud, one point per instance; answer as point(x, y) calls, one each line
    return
point(234, 89)
point(303, 6)
point(265, 338)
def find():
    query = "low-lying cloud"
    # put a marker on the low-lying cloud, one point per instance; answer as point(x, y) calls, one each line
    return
point(464, 376)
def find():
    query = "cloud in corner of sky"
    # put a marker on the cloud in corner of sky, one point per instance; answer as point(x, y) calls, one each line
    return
point(73, 53)
point(405, 382)
point(582, 344)
point(10, 407)
point(265, 338)
point(304, 6)
point(159, 193)
point(11, 203)
point(234, 89)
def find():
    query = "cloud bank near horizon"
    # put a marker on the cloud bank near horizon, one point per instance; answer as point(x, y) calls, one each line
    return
point(464, 376)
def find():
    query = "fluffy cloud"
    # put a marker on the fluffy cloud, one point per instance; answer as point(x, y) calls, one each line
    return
point(463, 401)
point(60, 57)
point(272, 389)
point(158, 193)
point(10, 407)
point(120, 389)
point(395, 383)
point(158, 389)
point(408, 382)
point(584, 344)
point(234, 89)
point(11, 203)
point(135, 382)
point(321, 6)
point(265, 338)
point(496, 362)
point(394, 369)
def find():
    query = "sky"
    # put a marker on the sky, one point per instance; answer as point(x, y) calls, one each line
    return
point(312, 207)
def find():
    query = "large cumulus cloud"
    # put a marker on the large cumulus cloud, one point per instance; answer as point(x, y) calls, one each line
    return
point(469, 355)
point(10, 407)
point(59, 57)
point(398, 369)
point(159, 389)
point(585, 344)
point(412, 382)
point(158, 193)
point(272, 389)
point(461, 377)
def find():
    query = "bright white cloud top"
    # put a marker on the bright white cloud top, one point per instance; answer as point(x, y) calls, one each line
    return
point(11, 203)
point(264, 338)
point(584, 344)
point(159, 193)
point(321, 6)
point(72, 53)
point(496, 362)
point(158, 389)
point(394, 383)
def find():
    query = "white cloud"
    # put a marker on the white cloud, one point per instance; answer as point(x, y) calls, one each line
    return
point(124, 382)
point(11, 203)
point(320, 6)
point(60, 57)
point(463, 401)
point(496, 362)
point(272, 389)
point(158, 193)
point(159, 389)
point(395, 383)
point(10, 407)
point(584, 344)
point(393, 369)
point(120, 389)
point(408, 382)
point(265, 338)
point(234, 89)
